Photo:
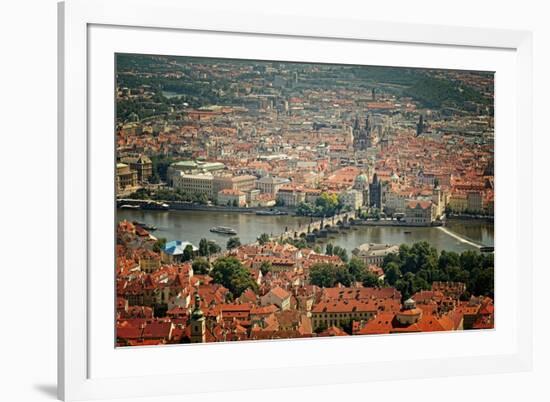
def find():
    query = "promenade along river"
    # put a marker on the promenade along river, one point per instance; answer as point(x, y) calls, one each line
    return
point(193, 225)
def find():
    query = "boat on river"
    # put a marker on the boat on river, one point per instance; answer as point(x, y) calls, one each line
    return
point(271, 212)
point(145, 226)
point(223, 230)
point(128, 206)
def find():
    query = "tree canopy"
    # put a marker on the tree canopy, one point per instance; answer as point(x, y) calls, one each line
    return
point(229, 272)
point(341, 252)
point(201, 266)
point(416, 267)
point(263, 239)
point(208, 247)
point(233, 242)
point(327, 204)
point(328, 275)
point(188, 253)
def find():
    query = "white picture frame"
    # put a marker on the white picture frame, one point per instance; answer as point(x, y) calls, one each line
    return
point(79, 378)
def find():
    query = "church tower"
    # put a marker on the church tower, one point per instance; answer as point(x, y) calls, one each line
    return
point(375, 192)
point(361, 135)
point(197, 322)
point(420, 126)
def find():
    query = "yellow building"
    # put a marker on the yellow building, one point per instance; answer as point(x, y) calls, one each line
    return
point(335, 313)
point(458, 202)
point(474, 201)
point(126, 178)
point(229, 182)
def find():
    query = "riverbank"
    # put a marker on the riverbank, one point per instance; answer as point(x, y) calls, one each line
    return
point(467, 217)
point(392, 222)
point(189, 206)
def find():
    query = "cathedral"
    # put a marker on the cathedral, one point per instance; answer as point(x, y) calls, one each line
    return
point(361, 135)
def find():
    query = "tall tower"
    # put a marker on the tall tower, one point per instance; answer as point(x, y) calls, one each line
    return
point(420, 126)
point(375, 192)
point(197, 322)
point(361, 136)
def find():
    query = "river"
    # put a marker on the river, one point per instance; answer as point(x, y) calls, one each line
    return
point(194, 225)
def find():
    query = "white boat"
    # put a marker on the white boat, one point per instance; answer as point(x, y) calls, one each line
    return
point(128, 206)
point(223, 230)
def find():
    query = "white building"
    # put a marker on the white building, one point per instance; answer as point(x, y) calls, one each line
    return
point(235, 198)
point(396, 200)
point(352, 198)
point(290, 197)
point(372, 253)
point(277, 296)
point(270, 184)
point(194, 183)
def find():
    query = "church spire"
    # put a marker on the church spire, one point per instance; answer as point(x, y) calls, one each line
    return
point(197, 313)
point(197, 322)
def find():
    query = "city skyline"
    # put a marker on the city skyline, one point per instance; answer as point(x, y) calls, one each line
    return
point(350, 200)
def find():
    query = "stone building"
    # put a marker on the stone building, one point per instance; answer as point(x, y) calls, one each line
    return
point(126, 178)
point(142, 164)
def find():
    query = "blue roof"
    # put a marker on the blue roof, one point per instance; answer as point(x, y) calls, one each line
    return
point(176, 247)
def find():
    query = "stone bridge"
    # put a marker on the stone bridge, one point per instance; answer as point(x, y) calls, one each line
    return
point(318, 227)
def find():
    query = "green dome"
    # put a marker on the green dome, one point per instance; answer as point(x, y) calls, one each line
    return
point(362, 178)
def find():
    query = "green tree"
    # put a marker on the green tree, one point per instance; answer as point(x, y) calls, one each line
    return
point(404, 287)
point(488, 260)
point(201, 266)
point(298, 243)
point(448, 259)
point(263, 239)
point(391, 257)
point(370, 280)
point(347, 325)
point(328, 275)
point(482, 282)
point(455, 274)
point(265, 267)
point(201, 198)
point(356, 268)
point(327, 204)
point(233, 242)
point(425, 256)
point(416, 267)
point(213, 248)
point(203, 247)
point(159, 245)
point(340, 252)
point(392, 273)
point(329, 249)
point(322, 275)
point(320, 328)
point(188, 253)
point(229, 272)
point(470, 260)
point(305, 209)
